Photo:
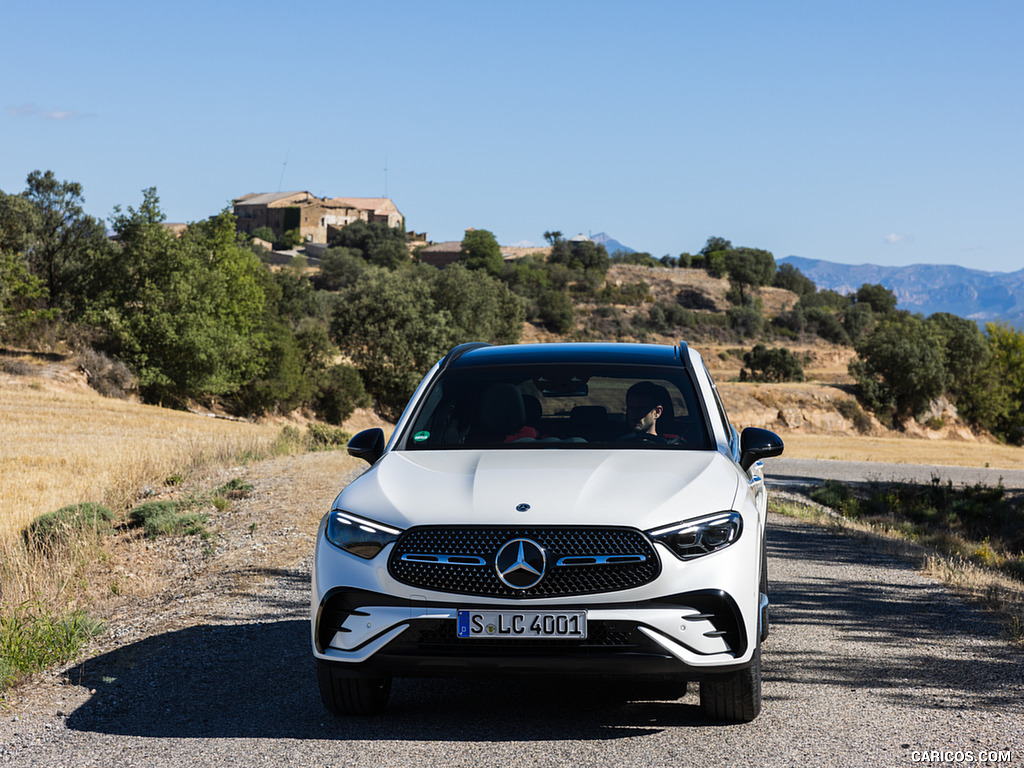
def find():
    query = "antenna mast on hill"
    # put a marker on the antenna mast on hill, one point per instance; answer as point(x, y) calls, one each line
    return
point(284, 165)
point(385, 175)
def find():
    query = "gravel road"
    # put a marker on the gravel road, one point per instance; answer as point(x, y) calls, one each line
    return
point(868, 664)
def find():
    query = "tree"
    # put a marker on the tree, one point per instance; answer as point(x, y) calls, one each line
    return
point(902, 363)
point(792, 279)
point(750, 268)
point(714, 244)
point(375, 242)
point(48, 225)
point(185, 313)
point(881, 300)
point(777, 364)
point(340, 391)
point(555, 311)
point(395, 325)
point(996, 399)
point(339, 268)
point(480, 308)
point(580, 254)
point(264, 233)
point(480, 250)
point(22, 297)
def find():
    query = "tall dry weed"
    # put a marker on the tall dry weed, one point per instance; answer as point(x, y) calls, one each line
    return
point(62, 446)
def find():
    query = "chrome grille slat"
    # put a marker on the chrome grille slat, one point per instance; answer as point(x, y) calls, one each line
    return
point(584, 560)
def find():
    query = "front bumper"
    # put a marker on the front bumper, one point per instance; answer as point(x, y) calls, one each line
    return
point(689, 636)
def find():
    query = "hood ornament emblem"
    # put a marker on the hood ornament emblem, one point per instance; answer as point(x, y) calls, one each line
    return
point(522, 507)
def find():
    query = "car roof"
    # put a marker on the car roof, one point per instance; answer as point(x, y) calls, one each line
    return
point(472, 355)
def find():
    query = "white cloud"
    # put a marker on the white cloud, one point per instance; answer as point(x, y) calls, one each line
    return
point(893, 238)
point(31, 110)
point(25, 110)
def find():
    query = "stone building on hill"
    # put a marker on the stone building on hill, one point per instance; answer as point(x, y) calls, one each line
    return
point(314, 217)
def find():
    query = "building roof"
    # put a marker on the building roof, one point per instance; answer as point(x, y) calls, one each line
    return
point(268, 198)
point(449, 246)
point(366, 203)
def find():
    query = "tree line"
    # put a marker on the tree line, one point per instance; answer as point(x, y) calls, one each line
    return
point(199, 316)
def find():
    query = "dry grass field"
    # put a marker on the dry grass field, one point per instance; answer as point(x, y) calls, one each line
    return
point(903, 450)
point(61, 443)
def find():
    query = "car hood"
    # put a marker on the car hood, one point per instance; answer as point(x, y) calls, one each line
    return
point(640, 488)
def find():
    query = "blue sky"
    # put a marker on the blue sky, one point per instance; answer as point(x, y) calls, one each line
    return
point(883, 132)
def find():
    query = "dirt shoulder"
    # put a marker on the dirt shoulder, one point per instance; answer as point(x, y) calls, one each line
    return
point(144, 588)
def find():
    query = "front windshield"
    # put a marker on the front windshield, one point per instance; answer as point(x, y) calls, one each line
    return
point(561, 406)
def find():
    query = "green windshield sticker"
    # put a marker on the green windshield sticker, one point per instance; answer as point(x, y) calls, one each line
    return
point(419, 437)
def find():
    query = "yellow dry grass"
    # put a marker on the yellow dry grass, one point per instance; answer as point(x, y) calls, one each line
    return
point(62, 445)
point(903, 450)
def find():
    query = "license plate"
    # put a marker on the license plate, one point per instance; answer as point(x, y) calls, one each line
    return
point(509, 625)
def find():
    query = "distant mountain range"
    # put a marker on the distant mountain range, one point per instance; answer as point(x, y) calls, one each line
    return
point(928, 288)
point(611, 244)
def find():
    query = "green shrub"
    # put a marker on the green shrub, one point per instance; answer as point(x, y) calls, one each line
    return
point(67, 522)
point(555, 311)
point(326, 437)
point(289, 441)
point(633, 294)
point(168, 518)
point(837, 496)
point(236, 488)
point(33, 639)
point(746, 321)
point(339, 392)
point(851, 411)
point(777, 364)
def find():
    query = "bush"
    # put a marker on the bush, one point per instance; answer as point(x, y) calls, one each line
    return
point(633, 294)
point(555, 311)
point(168, 518)
point(326, 437)
point(339, 392)
point(746, 321)
point(851, 411)
point(236, 488)
point(111, 378)
point(33, 639)
point(837, 496)
point(62, 525)
point(777, 364)
point(289, 441)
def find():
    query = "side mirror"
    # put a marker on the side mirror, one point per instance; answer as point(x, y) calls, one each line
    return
point(367, 445)
point(757, 444)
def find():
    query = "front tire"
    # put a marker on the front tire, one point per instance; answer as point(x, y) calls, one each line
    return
point(345, 695)
point(735, 698)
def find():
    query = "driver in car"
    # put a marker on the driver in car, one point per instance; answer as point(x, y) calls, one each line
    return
point(646, 404)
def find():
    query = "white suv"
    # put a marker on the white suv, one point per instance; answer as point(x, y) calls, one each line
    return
point(550, 508)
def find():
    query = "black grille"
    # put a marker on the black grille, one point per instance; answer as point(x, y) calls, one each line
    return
point(578, 578)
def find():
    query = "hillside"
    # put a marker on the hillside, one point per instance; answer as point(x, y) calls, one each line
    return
point(821, 405)
point(928, 288)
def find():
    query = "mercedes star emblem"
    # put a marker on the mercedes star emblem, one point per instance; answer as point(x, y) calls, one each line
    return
point(520, 563)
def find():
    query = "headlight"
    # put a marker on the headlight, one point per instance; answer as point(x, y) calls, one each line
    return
point(696, 538)
point(358, 535)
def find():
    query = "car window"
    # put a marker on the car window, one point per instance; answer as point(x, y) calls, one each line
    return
point(578, 406)
point(732, 436)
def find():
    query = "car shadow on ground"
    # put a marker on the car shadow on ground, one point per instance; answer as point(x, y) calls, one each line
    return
point(257, 680)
